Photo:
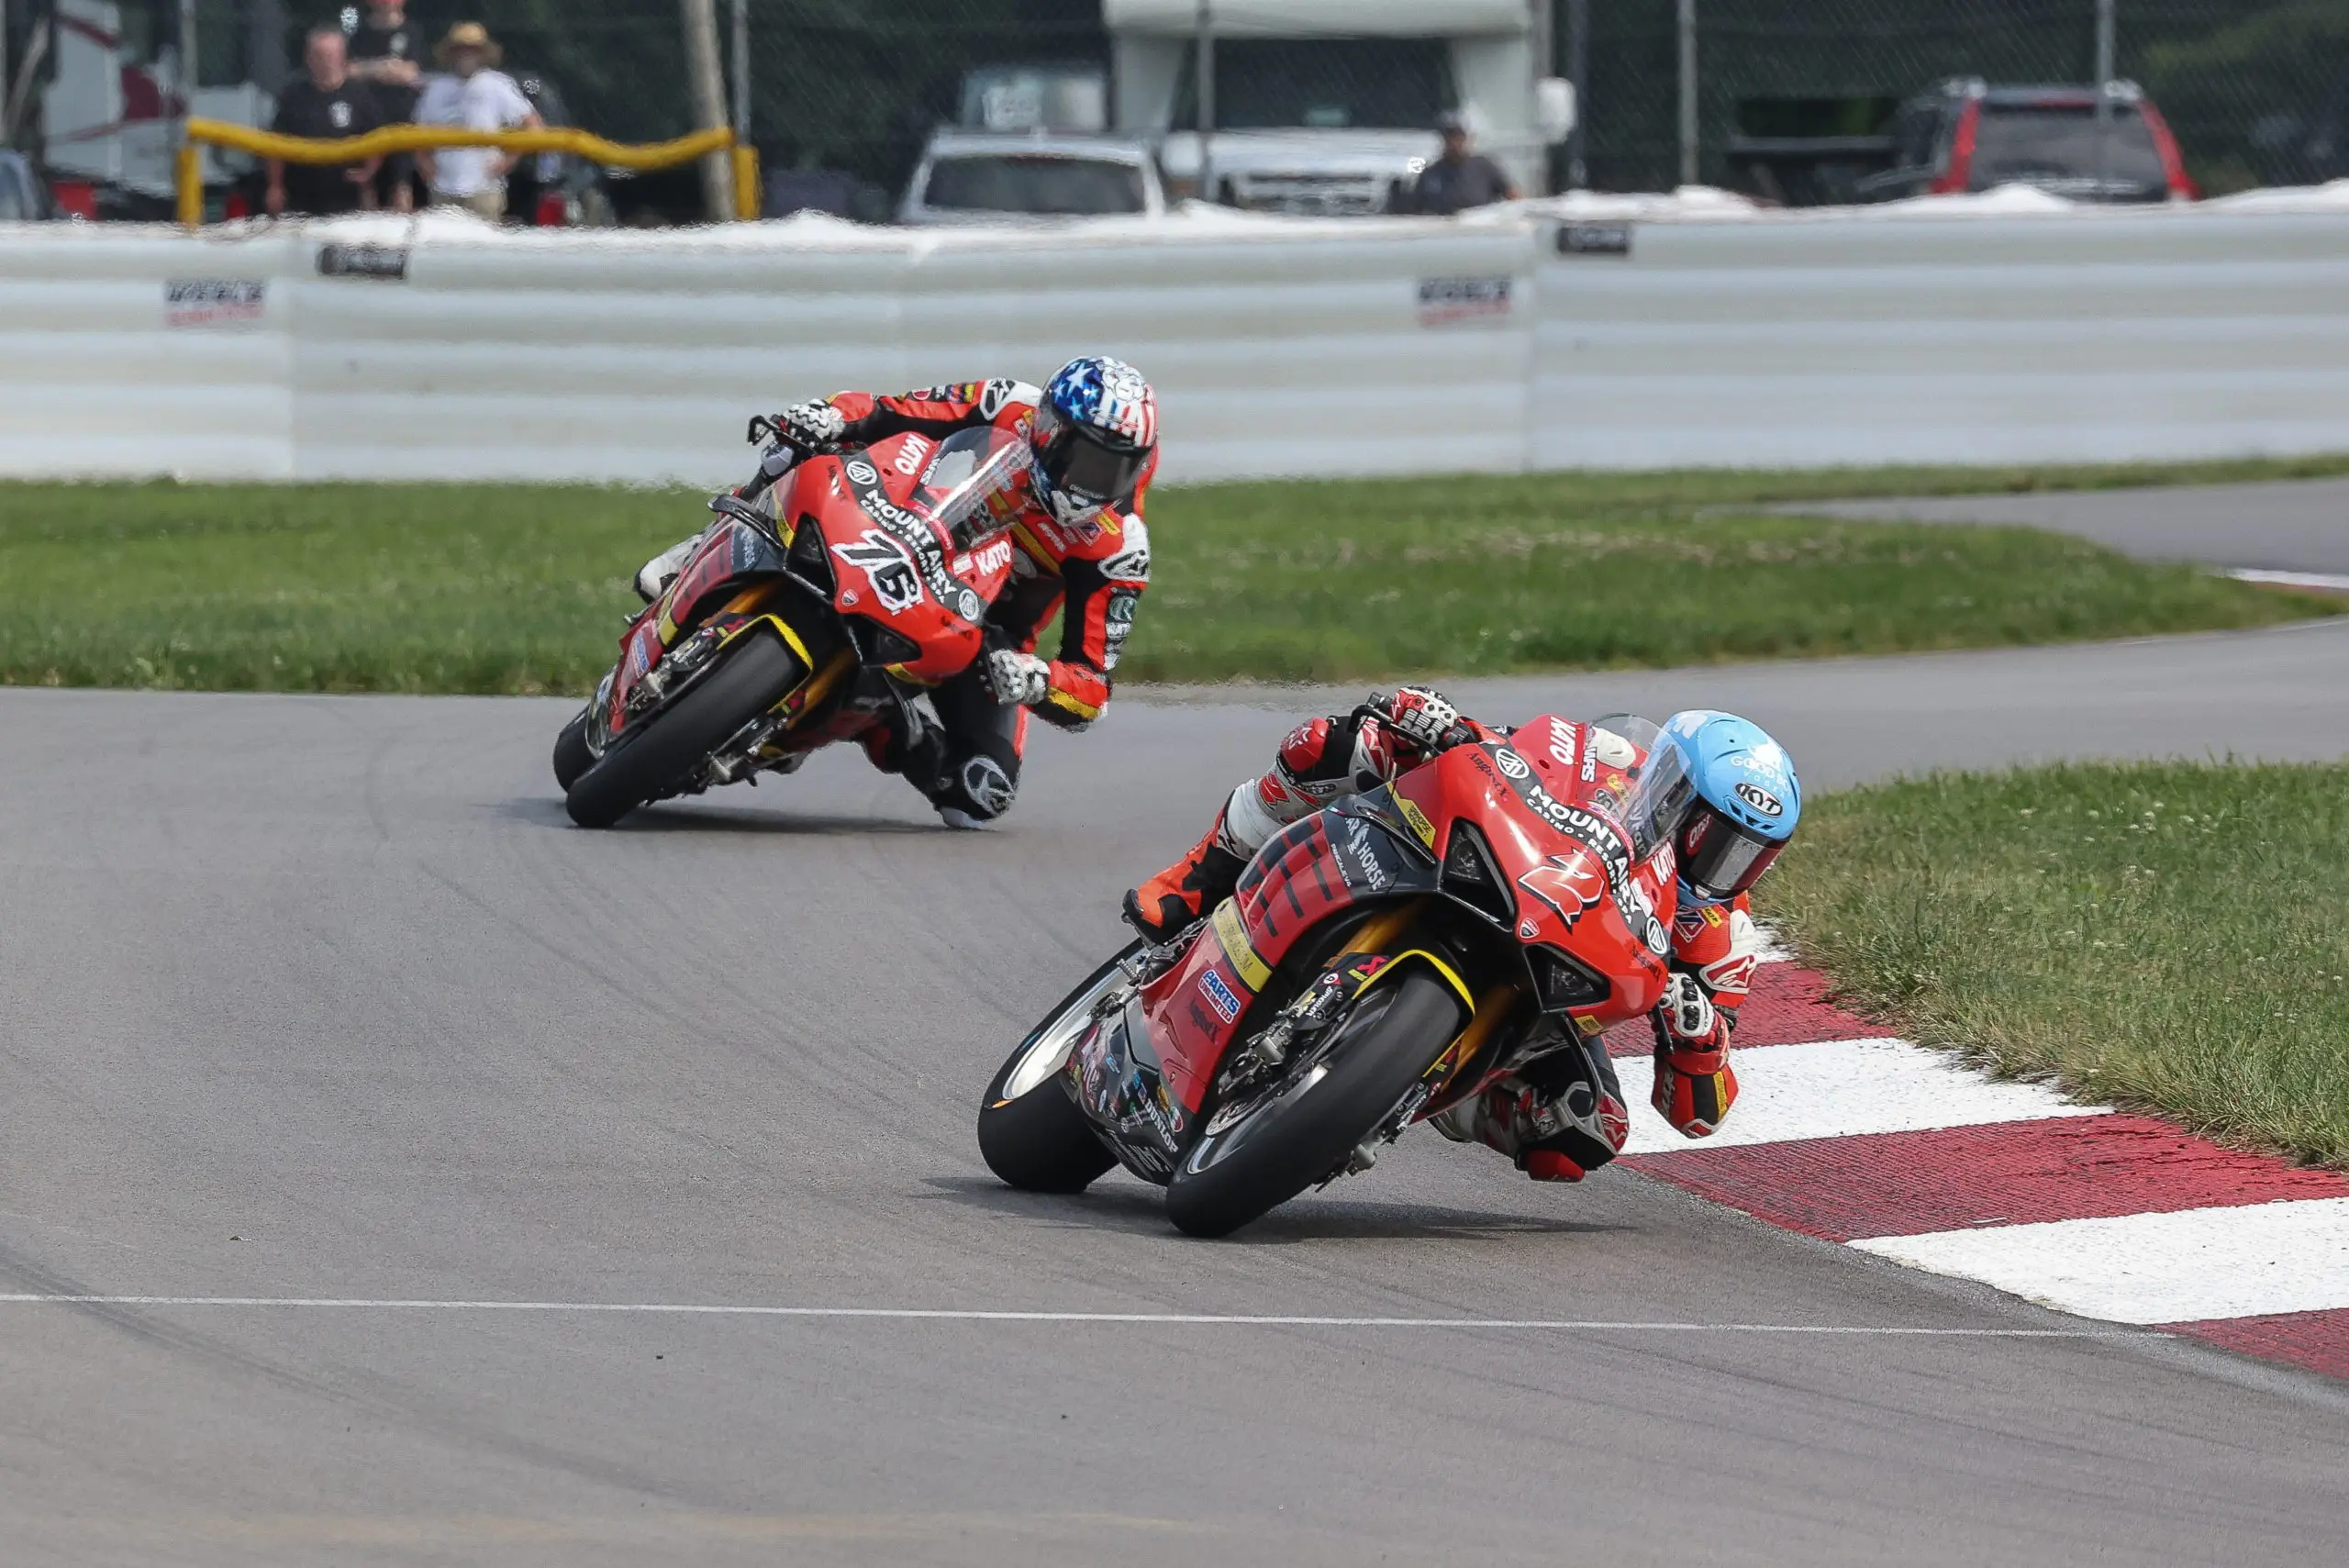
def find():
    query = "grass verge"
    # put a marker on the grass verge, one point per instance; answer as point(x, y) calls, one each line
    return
point(516, 588)
point(2171, 937)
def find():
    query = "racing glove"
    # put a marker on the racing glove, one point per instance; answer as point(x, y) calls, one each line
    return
point(1015, 679)
point(1694, 1083)
point(810, 427)
point(802, 430)
point(1420, 718)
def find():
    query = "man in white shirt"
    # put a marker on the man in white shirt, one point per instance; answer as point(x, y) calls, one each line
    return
point(478, 97)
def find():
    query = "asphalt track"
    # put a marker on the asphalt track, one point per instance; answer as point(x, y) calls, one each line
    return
point(2297, 525)
point(322, 1000)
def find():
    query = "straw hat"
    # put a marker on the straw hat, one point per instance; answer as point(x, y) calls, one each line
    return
point(468, 35)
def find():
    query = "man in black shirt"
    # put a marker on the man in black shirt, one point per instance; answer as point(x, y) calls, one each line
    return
point(327, 102)
point(1461, 178)
point(385, 49)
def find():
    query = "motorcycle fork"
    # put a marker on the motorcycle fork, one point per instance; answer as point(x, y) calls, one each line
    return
point(1446, 1077)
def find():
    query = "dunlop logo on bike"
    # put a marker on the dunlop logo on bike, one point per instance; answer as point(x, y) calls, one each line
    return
point(1253, 971)
point(1414, 815)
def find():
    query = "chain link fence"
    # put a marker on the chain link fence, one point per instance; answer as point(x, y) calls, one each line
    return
point(843, 92)
point(2257, 91)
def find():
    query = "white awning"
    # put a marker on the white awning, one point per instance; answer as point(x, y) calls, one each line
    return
point(1334, 19)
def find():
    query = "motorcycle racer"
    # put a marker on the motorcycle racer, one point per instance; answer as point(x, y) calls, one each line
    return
point(1082, 549)
point(1713, 787)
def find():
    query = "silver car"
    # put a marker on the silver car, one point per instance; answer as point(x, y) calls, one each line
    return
point(972, 177)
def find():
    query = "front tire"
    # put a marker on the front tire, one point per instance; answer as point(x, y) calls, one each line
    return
point(1030, 1133)
point(572, 757)
point(1039, 1141)
point(643, 763)
point(1303, 1129)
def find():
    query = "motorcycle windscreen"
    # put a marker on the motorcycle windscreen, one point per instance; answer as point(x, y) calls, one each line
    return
point(970, 486)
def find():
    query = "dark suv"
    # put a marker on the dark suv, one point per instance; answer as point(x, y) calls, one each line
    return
point(1968, 135)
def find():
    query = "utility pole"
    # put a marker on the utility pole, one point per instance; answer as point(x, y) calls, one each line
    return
point(1205, 82)
point(4, 82)
point(187, 56)
point(2105, 27)
point(1578, 72)
point(1687, 28)
point(187, 81)
point(709, 85)
point(1545, 63)
point(743, 73)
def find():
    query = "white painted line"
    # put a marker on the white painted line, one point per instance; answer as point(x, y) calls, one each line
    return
point(919, 1314)
point(2324, 581)
point(1838, 1089)
point(2155, 1268)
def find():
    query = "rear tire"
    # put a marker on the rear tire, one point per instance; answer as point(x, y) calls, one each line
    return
point(645, 764)
point(572, 757)
point(1304, 1131)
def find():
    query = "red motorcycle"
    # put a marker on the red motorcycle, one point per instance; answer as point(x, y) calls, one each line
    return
point(1381, 960)
point(808, 612)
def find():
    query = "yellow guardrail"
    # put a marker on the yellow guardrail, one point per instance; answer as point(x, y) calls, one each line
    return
point(393, 139)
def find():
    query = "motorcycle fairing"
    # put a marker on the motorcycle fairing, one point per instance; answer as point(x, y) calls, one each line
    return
point(726, 573)
point(895, 564)
point(1547, 841)
point(1115, 1078)
point(729, 551)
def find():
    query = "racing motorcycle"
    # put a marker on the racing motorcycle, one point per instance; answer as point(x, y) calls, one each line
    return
point(1380, 961)
point(810, 611)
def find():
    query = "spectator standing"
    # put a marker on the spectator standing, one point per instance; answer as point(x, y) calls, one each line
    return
point(480, 97)
point(384, 52)
point(326, 102)
point(1461, 178)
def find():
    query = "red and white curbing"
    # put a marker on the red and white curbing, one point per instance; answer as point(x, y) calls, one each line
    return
point(1845, 1134)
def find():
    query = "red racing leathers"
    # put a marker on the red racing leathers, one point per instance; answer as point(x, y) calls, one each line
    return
point(1094, 573)
point(1562, 1116)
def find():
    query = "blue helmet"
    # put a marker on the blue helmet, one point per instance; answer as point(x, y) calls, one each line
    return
point(1723, 794)
point(1096, 429)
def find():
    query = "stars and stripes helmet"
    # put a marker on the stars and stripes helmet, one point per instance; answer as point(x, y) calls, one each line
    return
point(1096, 430)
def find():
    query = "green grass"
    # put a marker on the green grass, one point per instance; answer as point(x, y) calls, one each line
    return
point(493, 588)
point(2171, 937)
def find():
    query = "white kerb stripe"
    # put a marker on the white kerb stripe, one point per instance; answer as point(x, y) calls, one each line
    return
point(2327, 581)
point(983, 1315)
point(2154, 1268)
point(1838, 1088)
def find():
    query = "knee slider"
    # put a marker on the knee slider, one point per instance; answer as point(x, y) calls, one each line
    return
point(979, 788)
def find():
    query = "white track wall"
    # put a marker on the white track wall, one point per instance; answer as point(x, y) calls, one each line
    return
point(2073, 338)
point(1309, 349)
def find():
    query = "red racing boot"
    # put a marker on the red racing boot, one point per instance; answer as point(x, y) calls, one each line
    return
point(1162, 906)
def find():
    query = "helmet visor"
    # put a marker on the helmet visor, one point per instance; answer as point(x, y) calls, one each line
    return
point(1660, 793)
point(1089, 473)
point(1719, 859)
